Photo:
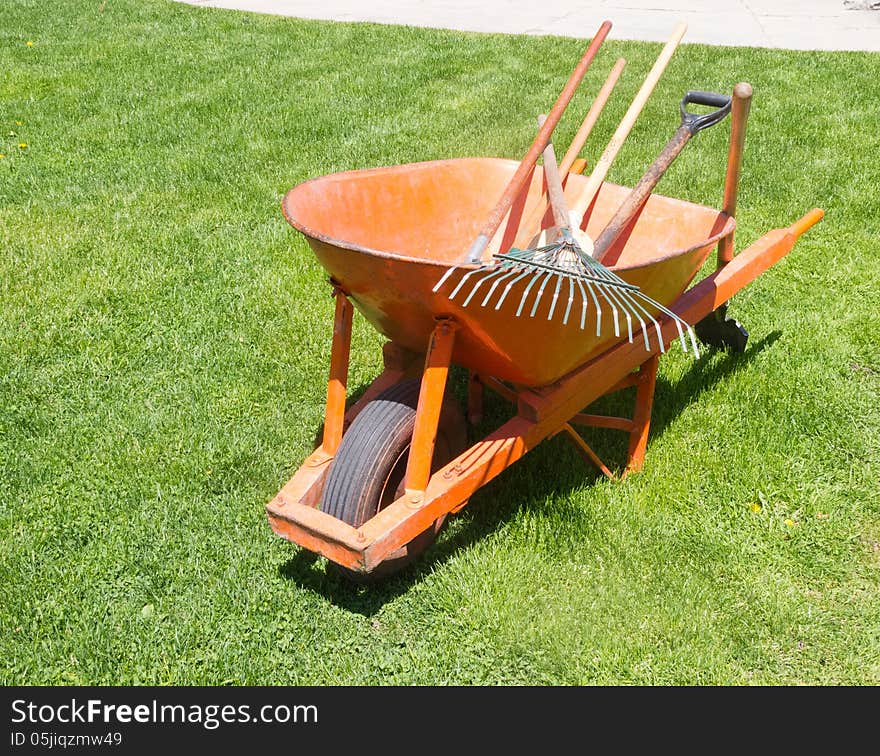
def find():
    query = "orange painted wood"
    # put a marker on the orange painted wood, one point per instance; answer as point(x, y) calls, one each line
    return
point(319, 532)
point(499, 388)
point(603, 421)
point(401, 521)
point(739, 115)
point(305, 486)
point(475, 398)
point(579, 166)
point(334, 414)
point(433, 386)
point(584, 448)
point(638, 439)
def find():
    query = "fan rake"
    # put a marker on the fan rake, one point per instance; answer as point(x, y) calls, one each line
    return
point(566, 269)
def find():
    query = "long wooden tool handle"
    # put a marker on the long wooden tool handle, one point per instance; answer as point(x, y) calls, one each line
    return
point(592, 116)
point(536, 214)
point(739, 114)
point(600, 170)
point(528, 162)
point(554, 183)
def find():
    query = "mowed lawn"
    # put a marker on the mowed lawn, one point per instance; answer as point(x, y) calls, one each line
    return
point(164, 346)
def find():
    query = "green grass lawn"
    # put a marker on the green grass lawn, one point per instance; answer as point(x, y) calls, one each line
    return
point(164, 345)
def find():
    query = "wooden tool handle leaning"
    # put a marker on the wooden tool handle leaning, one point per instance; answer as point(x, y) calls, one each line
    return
point(519, 178)
point(600, 170)
point(739, 114)
point(554, 183)
point(691, 123)
point(592, 116)
point(532, 224)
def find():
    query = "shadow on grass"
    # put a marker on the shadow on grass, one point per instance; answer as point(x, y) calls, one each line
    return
point(314, 573)
point(670, 399)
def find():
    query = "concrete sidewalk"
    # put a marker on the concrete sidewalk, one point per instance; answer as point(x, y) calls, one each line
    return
point(787, 24)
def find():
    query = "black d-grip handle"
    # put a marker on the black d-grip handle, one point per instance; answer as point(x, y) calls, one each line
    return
point(698, 121)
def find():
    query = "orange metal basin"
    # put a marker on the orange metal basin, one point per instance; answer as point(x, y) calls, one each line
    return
point(387, 235)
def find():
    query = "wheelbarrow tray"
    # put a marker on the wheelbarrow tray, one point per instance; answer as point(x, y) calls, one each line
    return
point(387, 236)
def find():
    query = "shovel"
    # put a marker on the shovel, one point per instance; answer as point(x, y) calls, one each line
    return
point(691, 123)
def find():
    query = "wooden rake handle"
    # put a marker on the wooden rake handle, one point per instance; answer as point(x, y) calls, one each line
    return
point(600, 170)
point(535, 216)
point(516, 183)
point(592, 116)
point(554, 183)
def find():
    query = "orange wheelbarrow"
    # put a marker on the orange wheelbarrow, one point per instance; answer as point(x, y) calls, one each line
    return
point(392, 466)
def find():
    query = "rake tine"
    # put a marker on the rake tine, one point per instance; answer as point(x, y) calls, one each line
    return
point(555, 297)
point(522, 301)
point(510, 284)
point(494, 286)
point(659, 332)
point(461, 283)
point(540, 294)
point(610, 275)
point(570, 300)
point(635, 306)
point(626, 311)
point(478, 284)
point(678, 322)
point(443, 279)
point(623, 294)
point(694, 342)
point(613, 309)
point(598, 308)
point(590, 276)
point(638, 306)
point(584, 304)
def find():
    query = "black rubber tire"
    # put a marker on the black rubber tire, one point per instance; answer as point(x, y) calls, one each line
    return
point(368, 470)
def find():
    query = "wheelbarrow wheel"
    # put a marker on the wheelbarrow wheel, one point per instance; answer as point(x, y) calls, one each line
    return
point(369, 468)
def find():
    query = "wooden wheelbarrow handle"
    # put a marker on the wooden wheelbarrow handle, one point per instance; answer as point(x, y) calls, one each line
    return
point(528, 162)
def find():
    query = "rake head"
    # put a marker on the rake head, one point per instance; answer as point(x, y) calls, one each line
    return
point(564, 271)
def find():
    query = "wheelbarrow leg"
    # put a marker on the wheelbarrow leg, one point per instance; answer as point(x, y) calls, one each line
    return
point(421, 451)
point(334, 414)
point(586, 451)
point(638, 436)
